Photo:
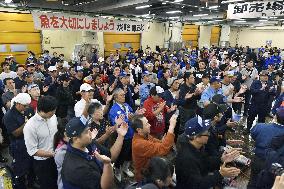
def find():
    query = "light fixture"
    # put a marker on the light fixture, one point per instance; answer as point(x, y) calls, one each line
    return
point(263, 20)
point(231, 1)
point(240, 21)
point(178, 1)
point(199, 15)
point(174, 17)
point(214, 7)
point(164, 3)
point(173, 12)
point(8, 1)
point(143, 7)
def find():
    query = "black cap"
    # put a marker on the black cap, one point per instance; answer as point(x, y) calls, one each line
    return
point(75, 127)
point(211, 110)
point(64, 77)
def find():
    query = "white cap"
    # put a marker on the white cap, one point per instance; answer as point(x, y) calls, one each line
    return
point(101, 59)
point(159, 90)
point(52, 68)
point(144, 54)
point(172, 55)
point(22, 98)
point(86, 87)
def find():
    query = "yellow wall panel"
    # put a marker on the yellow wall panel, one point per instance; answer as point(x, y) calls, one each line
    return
point(213, 35)
point(15, 26)
point(190, 31)
point(16, 17)
point(121, 38)
point(20, 57)
point(110, 46)
point(190, 26)
point(215, 29)
point(190, 37)
point(19, 38)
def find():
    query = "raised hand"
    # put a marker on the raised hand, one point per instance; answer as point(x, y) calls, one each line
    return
point(122, 130)
point(102, 158)
point(119, 119)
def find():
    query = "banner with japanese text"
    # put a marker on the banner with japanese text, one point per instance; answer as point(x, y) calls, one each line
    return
point(255, 9)
point(62, 21)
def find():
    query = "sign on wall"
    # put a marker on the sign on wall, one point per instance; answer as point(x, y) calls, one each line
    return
point(255, 9)
point(62, 21)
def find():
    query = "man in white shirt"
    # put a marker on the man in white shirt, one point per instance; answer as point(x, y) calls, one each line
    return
point(7, 73)
point(39, 133)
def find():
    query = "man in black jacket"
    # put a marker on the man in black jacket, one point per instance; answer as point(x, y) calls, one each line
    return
point(193, 164)
point(188, 96)
point(83, 166)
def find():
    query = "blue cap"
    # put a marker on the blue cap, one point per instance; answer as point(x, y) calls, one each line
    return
point(213, 79)
point(280, 112)
point(196, 126)
point(123, 74)
point(146, 73)
point(75, 127)
point(175, 58)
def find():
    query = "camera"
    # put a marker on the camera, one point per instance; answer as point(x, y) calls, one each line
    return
point(277, 169)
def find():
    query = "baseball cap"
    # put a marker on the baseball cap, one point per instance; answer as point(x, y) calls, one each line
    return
point(280, 112)
point(263, 72)
point(30, 64)
point(219, 100)
point(215, 79)
point(211, 110)
point(22, 98)
point(26, 74)
point(196, 126)
point(32, 86)
point(123, 74)
point(88, 79)
point(175, 58)
point(75, 127)
point(228, 73)
point(233, 64)
point(86, 87)
point(52, 68)
point(149, 64)
point(79, 69)
point(146, 73)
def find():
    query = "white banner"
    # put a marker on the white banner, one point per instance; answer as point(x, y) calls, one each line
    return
point(62, 21)
point(255, 9)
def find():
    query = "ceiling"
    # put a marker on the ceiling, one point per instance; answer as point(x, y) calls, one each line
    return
point(211, 13)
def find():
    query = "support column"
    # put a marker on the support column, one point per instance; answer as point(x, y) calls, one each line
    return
point(204, 36)
point(225, 36)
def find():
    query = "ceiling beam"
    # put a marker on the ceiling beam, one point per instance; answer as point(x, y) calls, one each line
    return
point(116, 5)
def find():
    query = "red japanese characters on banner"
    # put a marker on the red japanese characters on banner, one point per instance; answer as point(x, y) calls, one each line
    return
point(49, 21)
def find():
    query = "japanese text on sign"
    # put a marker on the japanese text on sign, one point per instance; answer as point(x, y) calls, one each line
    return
point(256, 9)
point(49, 21)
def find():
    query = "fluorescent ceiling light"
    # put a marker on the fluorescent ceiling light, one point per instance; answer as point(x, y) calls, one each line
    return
point(196, 6)
point(200, 15)
point(178, 1)
point(214, 7)
point(231, 1)
point(8, 1)
point(263, 20)
point(143, 7)
point(240, 21)
point(174, 17)
point(173, 12)
point(163, 3)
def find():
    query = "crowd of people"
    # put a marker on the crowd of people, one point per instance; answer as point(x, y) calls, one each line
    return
point(159, 118)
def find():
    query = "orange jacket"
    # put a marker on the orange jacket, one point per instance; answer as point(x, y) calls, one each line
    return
point(144, 149)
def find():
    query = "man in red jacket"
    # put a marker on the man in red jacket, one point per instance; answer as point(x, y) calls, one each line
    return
point(156, 110)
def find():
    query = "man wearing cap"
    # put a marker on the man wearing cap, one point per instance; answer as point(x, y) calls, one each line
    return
point(30, 68)
point(145, 146)
point(215, 88)
point(51, 83)
point(34, 92)
point(145, 87)
point(249, 73)
point(15, 120)
point(213, 70)
point(192, 163)
point(156, 110)
point(262, 134)
point(163, 82)
point(86, 97)
point(153, 76)
point(6, 72)
point(261, 91)
point(123, 83)
point(83, 165)
point(39, 133)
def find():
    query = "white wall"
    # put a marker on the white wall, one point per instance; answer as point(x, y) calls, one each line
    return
point(204, 36)
point(257, 37)
point(61, 41)
point(155, 35)
point(233, 36)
